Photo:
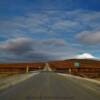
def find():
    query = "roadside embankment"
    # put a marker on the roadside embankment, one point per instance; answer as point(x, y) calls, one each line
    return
point(13, 80)
point(91, 84)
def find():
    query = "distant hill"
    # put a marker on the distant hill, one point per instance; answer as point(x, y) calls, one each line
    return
point(70, 63)
point(88, 67)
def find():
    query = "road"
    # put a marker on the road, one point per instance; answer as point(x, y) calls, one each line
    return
point(48, 85)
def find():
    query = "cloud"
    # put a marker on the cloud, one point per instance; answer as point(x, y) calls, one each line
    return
point(55, 42)
point(50, 23)
point(43, 35)
point(28, 49)
point(22, 45)
point(17, 46)
point(89, 37)
point(65, 25)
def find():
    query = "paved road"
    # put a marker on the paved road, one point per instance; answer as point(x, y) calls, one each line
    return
point(48, 86)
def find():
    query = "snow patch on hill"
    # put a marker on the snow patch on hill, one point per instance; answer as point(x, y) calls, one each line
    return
point(85, 56)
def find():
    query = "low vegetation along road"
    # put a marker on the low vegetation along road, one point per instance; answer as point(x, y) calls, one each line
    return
point(48, 85)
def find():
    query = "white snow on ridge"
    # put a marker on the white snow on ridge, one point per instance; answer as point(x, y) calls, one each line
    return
point(85, 56)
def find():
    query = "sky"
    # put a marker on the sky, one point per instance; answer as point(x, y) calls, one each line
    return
point(42, 30)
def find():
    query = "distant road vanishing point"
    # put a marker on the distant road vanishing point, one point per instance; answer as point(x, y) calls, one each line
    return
point(47, 67)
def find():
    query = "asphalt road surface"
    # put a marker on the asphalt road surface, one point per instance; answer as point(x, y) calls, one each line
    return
point(48, 85)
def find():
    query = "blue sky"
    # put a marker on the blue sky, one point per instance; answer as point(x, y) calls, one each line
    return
point(40, 30)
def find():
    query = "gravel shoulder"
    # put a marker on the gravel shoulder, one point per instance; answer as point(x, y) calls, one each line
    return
point(15, 79)
point(91, 84)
